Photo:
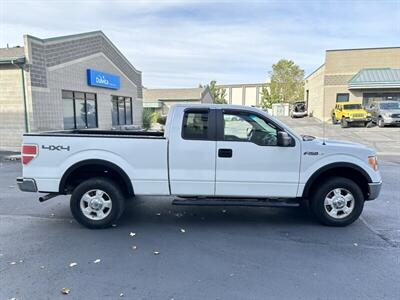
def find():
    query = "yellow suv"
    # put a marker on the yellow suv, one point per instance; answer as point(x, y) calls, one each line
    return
point(350, 113)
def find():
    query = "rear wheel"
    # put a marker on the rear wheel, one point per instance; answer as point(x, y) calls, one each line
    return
point(337, 202)
point(97, 203)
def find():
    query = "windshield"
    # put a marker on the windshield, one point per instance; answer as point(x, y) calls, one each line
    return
point(389, 105)
point(352, 106)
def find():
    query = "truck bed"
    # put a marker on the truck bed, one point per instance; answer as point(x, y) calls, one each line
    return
point(101, 133)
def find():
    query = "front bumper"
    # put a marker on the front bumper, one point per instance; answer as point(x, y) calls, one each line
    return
point(26, 184)
point(373, 190)
point(358, 120)
point(391, 121)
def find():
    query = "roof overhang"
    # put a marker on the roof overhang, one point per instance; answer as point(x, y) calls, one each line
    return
point(152, 104)
point(378, 78)
point(12, 60)
point(370, 85)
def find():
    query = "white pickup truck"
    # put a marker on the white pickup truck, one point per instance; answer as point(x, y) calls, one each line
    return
point(207, 155)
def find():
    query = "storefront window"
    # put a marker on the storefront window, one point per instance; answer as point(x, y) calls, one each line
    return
point(121, 110)
point(368, 98)
point(342, 97)
point(80, 110)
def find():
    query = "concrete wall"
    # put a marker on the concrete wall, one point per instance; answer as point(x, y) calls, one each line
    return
point(12, 121)
point(243, 94)
point(345, 62)
point(315, 86)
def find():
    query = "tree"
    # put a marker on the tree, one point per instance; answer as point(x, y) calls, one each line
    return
point(148, 117)
point(218, 94)
point(286, 85)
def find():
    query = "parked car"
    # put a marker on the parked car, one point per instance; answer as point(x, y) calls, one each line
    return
point(350, 113)
point(385, 113)
point(205, 157)
point(298, 109)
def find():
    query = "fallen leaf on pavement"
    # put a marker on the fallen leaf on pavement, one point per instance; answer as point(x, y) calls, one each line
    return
point(65, 291)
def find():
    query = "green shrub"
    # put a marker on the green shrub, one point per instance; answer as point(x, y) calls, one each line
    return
point(149, 117)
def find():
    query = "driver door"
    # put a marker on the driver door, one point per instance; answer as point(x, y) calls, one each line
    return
point(249, 162)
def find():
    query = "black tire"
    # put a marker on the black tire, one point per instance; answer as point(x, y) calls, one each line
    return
point(113, 193)
point(381, 122)
point(344, 123)
point(322, 191)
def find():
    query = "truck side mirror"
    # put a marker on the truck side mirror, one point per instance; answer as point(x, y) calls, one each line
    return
point(284, 140)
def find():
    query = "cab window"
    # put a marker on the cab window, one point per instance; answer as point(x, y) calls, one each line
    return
point(195, 125)
point(242, 127)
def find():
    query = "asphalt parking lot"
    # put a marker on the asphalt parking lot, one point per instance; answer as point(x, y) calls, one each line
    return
point(385, 140)
point(203, 253)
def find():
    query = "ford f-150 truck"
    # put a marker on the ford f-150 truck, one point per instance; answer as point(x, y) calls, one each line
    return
point(207, 155)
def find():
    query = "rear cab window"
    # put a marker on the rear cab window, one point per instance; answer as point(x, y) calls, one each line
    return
point(196, 125)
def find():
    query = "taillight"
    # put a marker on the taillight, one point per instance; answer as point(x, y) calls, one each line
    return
point(28, 152)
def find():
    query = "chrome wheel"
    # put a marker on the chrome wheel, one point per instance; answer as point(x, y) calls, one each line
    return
point(96, 204)
point(339, 203)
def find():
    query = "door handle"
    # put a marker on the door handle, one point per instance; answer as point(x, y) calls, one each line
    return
point(224, 152)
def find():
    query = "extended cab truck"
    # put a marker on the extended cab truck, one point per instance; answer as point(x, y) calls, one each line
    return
point(208, 155)
point(350, 113)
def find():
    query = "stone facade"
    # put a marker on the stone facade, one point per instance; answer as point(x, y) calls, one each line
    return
point(323, 85)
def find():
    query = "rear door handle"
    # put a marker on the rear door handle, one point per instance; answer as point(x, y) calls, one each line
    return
point(224, 152)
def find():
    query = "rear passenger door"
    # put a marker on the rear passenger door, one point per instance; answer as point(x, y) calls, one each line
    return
point(192, 151)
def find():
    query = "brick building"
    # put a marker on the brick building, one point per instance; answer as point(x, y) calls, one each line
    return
point(353, 75)
point(76, 81)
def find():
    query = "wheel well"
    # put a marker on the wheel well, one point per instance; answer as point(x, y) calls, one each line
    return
point(351, 173)
point(94, 168)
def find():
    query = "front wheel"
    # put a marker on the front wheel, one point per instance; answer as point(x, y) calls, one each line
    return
point(97, 203)
point(344, 123)
point(337, 202)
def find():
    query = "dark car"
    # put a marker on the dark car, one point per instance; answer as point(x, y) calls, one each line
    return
point(298, 109)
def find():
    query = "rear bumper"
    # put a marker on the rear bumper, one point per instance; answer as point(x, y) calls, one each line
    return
point(374, 190)
point(26, 184)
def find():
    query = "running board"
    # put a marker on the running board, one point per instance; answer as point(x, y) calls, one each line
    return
point(237, 202)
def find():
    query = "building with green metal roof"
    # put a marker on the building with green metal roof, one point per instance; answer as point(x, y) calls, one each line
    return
point(353, 75)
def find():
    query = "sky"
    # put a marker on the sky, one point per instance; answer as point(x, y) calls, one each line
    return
point(185, 43)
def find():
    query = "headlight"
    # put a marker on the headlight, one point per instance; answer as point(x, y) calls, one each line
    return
point(373, 162)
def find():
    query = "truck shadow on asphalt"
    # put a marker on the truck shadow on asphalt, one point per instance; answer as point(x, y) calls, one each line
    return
point(157, 210)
